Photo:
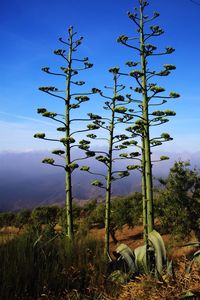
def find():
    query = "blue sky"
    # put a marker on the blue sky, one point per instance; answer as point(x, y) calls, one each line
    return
point(29, 33)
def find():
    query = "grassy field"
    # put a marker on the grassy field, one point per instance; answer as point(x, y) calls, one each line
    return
point(51, 268)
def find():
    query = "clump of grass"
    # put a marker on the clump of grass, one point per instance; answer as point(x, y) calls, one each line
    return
point(52, 267)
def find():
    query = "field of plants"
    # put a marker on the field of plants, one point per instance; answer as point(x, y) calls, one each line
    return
point(145, 245)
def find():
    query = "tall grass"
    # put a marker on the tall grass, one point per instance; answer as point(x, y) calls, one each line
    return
point(52, 267)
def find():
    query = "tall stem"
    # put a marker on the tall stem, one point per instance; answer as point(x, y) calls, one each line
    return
point(109, 175)
point(146, 152)
point(144, 197)
point(67, 147)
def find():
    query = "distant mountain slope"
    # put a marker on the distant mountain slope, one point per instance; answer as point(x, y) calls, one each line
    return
point(25, 182)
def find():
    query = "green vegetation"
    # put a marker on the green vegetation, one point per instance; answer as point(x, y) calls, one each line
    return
point(124, 210)
point(51, 266)
point(115, 142)
point(72, 100)
point(44, 262)
point(178, 204)
point(150, 95)
point(47, 263)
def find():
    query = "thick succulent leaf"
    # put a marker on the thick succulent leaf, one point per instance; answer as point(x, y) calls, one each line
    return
point(128, 256)
point(141, 259)
point(159, 248)
point(197, 256)
point(192, 244)
point(118, 277)
point(188, 295)
point(170, 268)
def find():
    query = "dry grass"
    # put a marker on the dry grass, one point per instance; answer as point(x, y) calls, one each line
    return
point(148, 288)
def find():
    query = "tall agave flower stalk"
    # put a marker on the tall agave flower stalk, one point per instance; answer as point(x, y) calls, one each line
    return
point(151, 96)
point(72, 101)
point(119, 114)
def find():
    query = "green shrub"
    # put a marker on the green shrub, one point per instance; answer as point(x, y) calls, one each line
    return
point(178, 204)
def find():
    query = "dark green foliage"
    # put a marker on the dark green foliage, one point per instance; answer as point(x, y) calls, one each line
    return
point(90, 206)
point(178, 205)
point(22, 218)
point(7, 219)
point(45, 215)
point(124, 210)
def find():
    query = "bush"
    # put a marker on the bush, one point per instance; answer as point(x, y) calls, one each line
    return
point(178, 205)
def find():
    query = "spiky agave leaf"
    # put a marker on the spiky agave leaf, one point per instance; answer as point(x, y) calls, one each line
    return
point(129, 256)
point(159, 248)
point(141, 259)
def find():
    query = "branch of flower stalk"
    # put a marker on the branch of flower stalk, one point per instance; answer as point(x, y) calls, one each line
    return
point(77, 159)
point(79, 131)
point(60, 97)
point(57, 120)
point(98, 174)
point(130, 46)
point(156, 104)
point(73, 120)
point(156, 15)
point(62, 41)
point(129, 157)
point(46, 70)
